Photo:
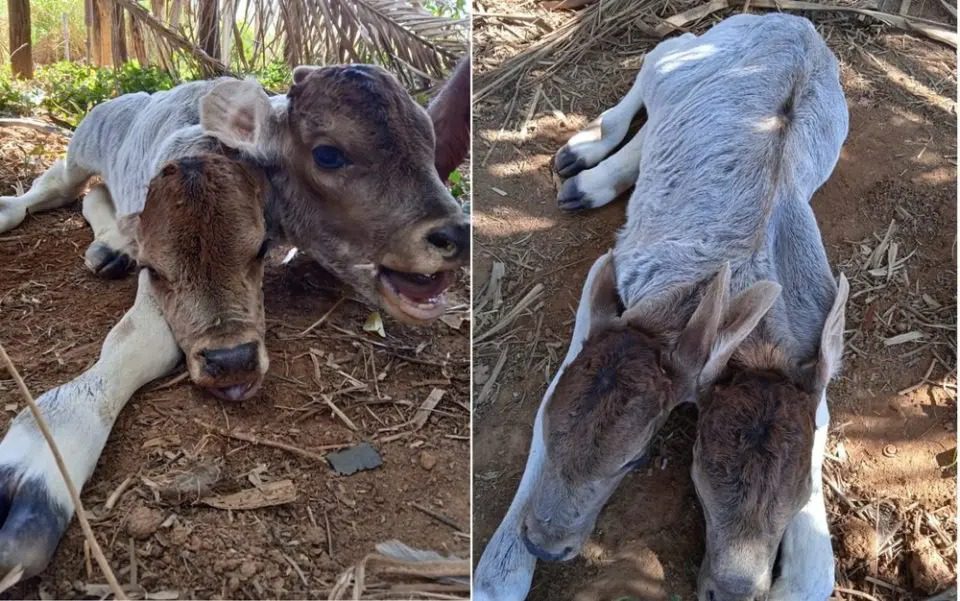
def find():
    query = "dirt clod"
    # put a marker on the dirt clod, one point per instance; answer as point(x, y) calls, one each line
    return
point(427, 460)
point(930, 572)
point(860, 540)
point(636, 574)
point(143, 522)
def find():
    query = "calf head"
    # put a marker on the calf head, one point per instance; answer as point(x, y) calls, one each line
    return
point(201, 235)
point(752, 463)
point(351, 161)
point(612, 399)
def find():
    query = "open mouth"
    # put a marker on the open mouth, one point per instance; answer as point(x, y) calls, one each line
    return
point(235, 392)
point(418, 296)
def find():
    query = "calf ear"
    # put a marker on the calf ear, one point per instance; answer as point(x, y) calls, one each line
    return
point(717, 328)
point(598, 301)
point(236, 113)
point(300, 73)
point(450, 113)
point(831, 339)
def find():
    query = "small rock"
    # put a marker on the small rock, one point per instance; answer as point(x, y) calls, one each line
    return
point(248, 568)
point(860, 540)
point(929, 570)
point(427, 460)
point(143, 521)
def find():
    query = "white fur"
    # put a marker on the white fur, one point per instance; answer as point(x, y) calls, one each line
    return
point(505, 570)
point(604, 182)
point(80, 413)
point(55, 188)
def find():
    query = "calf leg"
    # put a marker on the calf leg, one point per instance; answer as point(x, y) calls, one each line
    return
point(598, 139)
point(806, 560)
point(505, 570)
point(59, 185)
point(612, 177)
point(109, 254)
point(35, 506)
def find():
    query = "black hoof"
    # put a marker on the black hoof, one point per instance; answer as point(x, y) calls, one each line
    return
point(108, 263)
point(570, 198)
point(566, 163)
point(32, 524)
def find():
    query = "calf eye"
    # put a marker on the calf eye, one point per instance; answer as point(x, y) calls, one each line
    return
point(329, 157)
point(263, 250)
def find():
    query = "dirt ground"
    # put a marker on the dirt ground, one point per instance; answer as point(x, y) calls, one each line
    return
point(891, 454)
point(53, 317)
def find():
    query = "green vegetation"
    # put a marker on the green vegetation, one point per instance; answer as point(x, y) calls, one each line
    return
point(68, 91)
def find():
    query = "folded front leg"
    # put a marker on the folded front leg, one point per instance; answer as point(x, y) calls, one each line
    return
point(35, 506)
point(806, 555)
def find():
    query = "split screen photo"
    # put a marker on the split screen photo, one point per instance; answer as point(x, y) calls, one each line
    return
point(590, 300)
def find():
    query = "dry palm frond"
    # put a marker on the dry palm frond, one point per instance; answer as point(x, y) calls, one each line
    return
point(414, 44)
point(398, 34)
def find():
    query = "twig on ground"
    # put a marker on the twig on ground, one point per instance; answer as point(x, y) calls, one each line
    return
point(273, 443)
point(437, 516)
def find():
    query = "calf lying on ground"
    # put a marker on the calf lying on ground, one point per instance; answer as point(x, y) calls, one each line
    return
point(202, 282)
point(349, 163)
point(743, 123)
point(614, 397)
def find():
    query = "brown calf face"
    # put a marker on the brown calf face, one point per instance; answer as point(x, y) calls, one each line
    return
point(606, 408)
point(350, 158)
point(616, 394)
point(751, 470)
point(201, 234)
point(372, 206)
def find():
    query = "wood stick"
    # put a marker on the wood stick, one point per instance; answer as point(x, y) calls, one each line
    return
point(71, 488)
point(272, 443)
point(437, 516)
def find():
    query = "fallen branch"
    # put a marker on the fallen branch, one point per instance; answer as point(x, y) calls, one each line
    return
point(933, 30)
point(71, 487)
point(141, 14)
point(37, 125)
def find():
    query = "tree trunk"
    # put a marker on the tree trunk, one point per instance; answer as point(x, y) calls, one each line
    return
point(119, 37)
point(208, 27)
point(228, 20)
point(21, 53)
point(89, 16)
point(102, 27)
point(139, 46)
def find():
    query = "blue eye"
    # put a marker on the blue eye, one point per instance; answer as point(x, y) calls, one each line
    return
point(329, 157)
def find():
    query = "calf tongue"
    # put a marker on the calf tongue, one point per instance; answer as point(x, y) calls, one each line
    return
point(417, 287)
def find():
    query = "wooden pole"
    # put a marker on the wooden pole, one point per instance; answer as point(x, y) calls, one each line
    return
point(65, 27)
point(21, 51)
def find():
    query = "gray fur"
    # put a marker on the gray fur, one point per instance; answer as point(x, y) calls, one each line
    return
point(126, 140)
point(715, 186)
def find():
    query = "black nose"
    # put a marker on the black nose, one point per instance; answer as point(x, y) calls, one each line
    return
point(541, 553)
point(238, 359)
point(452, 240)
